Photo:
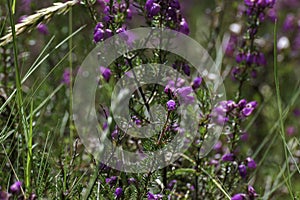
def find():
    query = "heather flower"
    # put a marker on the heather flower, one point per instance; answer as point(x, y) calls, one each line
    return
point(106, 73)
point(114, 134)
point(148, 5)
point(196, 83)
point(221, 120)
point(248, 109)
point(129, 14)
point(218, 146)
point(244, 137)
point(260, 59)
point(118, 192)
point(250, 3)
point(136, 120)
point(184, 91)
point(290, 130)
point(228, 157)
point(289, 22)
point(171, 105)
point(131, 181)
point(112, 180)
point(242, 170)
point(213, 162)
point(186, 69)
point(175, 4)
point(249, 58)
point(296, 112)
point(22, 18)
point(43, 29)
point(184, 27)
point(172, 184)
point(272, 14)
point(99, 35)
point(251, 192)
point(33, 196)
point(234, 73)
point(251, 163)
point(240, 57)
point(151, 196)
point(16, 187)
point(154, 10)
point(4, 195)
point(66, 76)
point(190, 187)
point(239, 196)
point(242, 103)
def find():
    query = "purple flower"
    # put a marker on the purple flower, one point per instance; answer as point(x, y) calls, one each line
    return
point(213, 162)
point(272, 15)
point(270, 3)
point(151, 196)
point(296, 112)
point(172, 184)
point(114, 134)
point(106, 73)
point(234, 73)
point(248, 109)
point(33, 196)
point(242, 103)
point(98, 35)
point(251, 192)
point(129, 14)
point(118, 192)
point(240, 57)
point(186, 69)
point(184, 95)
point(260, 59)
point(131, 181)
point(218, 146)
point(108, 33)
point(43, 29)
point(228, 157)
point(112, 180)
point(245, 136)
point(16, 187)
point(184, 27)
point(251, 163)
point(4, 195)
point(196, 83)
point(171, 105)
point(22, 18)
point(242, 170)
point(184, 91)
point(153, 9)
point(175, 4)
point(66, 77)
point(250, 3)
point(239, 196)
point(290, 130)
point(289, 22)
point(249, 58)
point(148, 5)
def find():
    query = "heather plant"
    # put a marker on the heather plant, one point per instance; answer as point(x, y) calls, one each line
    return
point(149, 99)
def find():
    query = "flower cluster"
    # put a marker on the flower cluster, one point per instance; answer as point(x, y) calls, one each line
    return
point(227, 110)
point(14, 190)
point(169, 11)
point(248, 56)
point(114, 17)
point(251, 194)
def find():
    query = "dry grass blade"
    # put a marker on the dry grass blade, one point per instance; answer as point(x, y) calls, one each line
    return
point(43, 15)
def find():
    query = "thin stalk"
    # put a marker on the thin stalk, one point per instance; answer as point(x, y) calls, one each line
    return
point(279, 104)
point(29, 151)
point(71, 75)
